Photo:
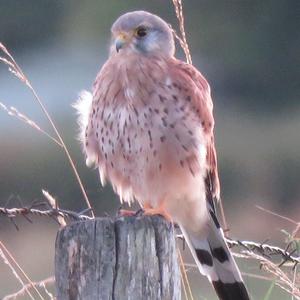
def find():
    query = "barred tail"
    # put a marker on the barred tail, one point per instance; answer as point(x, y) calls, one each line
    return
point(215, 261)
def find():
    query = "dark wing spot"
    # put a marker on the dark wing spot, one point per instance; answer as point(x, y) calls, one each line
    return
point(164, 122)
point(135, 111)
point(129, 142)
point(150, 135)
point(161, 98)
point(204, 257)
point(162, 138)
point(220, 254)
point(185, 148)
point(192, 171)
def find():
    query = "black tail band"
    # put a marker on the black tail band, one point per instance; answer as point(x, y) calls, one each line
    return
point(231, 291)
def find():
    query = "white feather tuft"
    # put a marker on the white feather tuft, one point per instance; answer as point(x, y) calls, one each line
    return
point(83, 107)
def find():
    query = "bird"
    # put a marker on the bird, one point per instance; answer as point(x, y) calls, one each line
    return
point(148, 127)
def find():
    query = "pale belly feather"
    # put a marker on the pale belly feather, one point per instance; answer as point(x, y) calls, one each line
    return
point(152, 154)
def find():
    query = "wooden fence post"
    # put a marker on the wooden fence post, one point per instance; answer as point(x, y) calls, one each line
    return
point(128, 258)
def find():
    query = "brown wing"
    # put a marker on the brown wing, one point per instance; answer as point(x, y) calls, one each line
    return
point(202, 103)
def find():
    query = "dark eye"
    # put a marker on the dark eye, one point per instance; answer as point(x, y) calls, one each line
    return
point(141, 31)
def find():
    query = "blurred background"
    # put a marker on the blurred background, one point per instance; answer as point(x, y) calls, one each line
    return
point(248, 50)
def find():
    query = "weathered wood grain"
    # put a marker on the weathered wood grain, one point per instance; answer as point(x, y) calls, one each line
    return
point(128, 258)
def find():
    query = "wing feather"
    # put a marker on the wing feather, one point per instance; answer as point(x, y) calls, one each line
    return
point(199, 90)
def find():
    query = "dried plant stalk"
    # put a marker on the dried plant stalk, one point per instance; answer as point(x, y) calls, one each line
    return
point(17, 71)
point(13, 112)
point(26, 288)
point(182, 40)
point(2, 247)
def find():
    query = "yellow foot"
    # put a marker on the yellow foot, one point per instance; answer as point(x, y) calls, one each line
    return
point(126, 213)
point(159, 210)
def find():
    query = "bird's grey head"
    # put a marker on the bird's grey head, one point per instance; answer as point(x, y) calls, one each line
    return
point(142, 32)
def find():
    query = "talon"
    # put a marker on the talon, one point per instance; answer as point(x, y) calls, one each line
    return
point(139, 212)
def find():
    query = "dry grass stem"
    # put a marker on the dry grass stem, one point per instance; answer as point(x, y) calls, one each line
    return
point(183, 285)
point(278, 215)
point(297, 228)
point(184, 277)
point(53, 203)
point(17, 71)
point(13, 112)
point(182, 40)
point(7, 262)
point(294, 281)
point(281, 278)
point(7, 252)
point(40, 284)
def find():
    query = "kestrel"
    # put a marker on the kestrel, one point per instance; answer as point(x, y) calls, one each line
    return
point(148, 127)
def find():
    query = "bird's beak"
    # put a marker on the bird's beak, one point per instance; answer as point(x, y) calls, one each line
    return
point(121, 40)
